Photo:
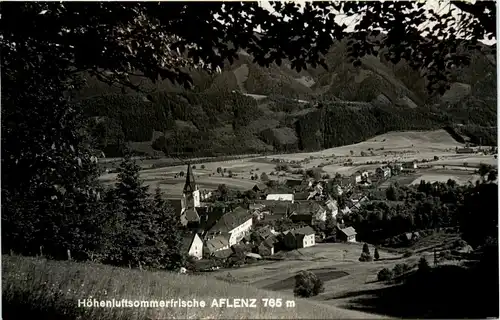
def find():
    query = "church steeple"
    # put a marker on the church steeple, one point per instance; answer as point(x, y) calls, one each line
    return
point(190, 185)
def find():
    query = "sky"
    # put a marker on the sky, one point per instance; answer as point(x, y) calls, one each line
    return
point(438, 6)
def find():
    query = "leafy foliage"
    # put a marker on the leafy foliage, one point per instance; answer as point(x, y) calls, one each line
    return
point(384, 275)
point(307, 284)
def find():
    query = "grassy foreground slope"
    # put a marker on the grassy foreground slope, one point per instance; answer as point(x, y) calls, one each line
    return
point(42, 289)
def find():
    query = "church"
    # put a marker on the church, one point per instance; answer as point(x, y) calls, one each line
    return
point(190, 199)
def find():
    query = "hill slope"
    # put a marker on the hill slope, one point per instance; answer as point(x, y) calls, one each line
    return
point(53, 289)
point(248, 108)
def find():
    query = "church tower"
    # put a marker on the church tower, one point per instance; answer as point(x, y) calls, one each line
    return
point(191, 194)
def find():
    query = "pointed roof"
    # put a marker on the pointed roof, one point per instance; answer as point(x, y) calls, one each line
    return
point(190, 185)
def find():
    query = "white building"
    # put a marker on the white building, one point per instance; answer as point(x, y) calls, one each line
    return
point(193, 245)
point(280, 197)
point(237, 224)
point(333, 207)
point(300, 238)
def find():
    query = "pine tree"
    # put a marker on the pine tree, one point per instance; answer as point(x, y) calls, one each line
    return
point(366, 249)
point(134, 213)
point(170, 233)
point(376, 255)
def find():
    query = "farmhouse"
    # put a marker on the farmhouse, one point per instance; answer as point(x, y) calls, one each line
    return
point(332, 207)
point(410, 165)
point(236, 223)
point(300, 238)
point(396, 168)
point(346, 184)
point(383, 172)
point(309, 212)
point(364, 175)
point(301, 196)
point(280, 197)
point(266, 247)
point(259, 188)
point(337, 190)
point(347, 234)
point(357, 177)
point(294, 183)
point(193, 245)
point(218, 243)
point(465, 150)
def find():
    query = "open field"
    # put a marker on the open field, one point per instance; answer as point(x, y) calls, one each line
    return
point(37, 288)
point(397, 146)
point(336, 263)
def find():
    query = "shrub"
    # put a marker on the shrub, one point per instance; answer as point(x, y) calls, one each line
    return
point(365, 257)
point(384, 275)
point(407, 254)
point(194, 167)
point(376, 255)
point(398, 270)
point(264, 177)
point(307, 284)
point(203, 166)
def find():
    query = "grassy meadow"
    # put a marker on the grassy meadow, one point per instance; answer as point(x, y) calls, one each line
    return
point(43, 289)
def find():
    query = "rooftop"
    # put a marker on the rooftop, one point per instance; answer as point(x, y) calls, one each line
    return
point(349, 231)
point(231, 220)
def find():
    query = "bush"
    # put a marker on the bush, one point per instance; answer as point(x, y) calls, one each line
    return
point(307, 284)
point(203, 166)
point(376, 255)
point(365, 257)
point(384, 275)
point(399, 269)
point(407, 254)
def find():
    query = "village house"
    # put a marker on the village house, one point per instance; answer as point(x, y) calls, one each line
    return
point(410, 165)
point(332, 207)
point(357, 177)
point(299, 238)
point(217, 243)
point(205, 195)
point(281, 197)
point(347, 184)
point(236, 223)
point(309, 212)
point(465, 150)
point(396, 168)
point(260, 188)
point(383, 172)
point(337, 190)
point(193, 245)
point(300, 196)
point(364, 175)
point(346, 234)
point(294, 184)
point(266, 247)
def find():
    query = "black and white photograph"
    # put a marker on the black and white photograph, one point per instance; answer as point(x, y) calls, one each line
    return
point(249, 160)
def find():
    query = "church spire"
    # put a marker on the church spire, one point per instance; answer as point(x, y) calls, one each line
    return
point(190, 185)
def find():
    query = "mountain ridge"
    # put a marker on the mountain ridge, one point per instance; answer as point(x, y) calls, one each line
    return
point(249, 108)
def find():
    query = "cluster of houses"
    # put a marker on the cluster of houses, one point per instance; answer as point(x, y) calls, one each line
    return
point(221, 232)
